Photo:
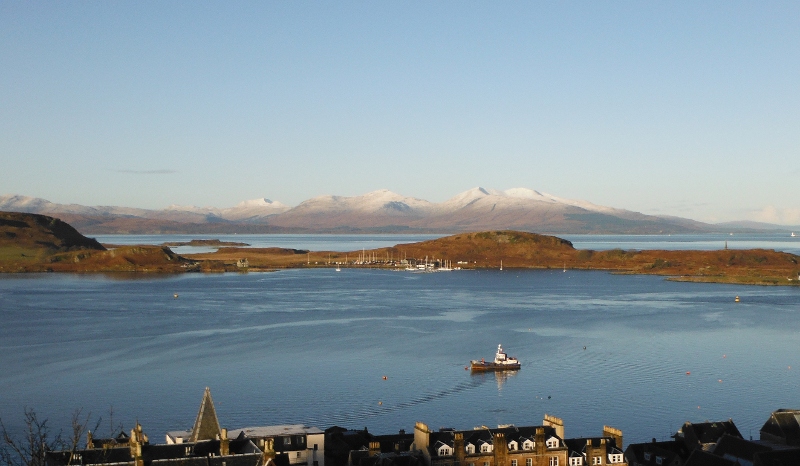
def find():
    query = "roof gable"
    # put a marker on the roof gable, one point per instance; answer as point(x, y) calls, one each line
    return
point(206, 426)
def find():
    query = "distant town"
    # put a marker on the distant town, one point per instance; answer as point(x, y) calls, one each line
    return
point(546, 444)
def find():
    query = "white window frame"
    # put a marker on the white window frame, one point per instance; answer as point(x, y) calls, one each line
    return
point(528, 445)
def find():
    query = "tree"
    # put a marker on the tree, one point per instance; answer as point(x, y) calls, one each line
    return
point(37, 439)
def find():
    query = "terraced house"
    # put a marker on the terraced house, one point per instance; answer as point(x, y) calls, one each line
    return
point(509, 445)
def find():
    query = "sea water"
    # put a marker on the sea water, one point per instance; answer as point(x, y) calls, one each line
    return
point(639, 353)
point(345, 243)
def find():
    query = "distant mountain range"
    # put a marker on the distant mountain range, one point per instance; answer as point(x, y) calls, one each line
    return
point(378, 211)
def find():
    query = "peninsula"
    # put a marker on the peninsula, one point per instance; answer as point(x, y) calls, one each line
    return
point(37, 243)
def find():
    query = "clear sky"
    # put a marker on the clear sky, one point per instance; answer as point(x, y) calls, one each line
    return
point(679, 108)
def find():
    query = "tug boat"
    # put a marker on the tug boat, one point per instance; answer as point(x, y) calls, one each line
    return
point(502, 362)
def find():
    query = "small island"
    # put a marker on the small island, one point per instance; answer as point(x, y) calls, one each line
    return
point(37, 243)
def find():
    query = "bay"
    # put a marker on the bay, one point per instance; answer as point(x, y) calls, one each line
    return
point(313, 346)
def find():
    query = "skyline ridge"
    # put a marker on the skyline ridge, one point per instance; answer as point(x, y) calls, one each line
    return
point(475, 208)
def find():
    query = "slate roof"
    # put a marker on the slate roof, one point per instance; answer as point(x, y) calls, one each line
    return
point(243, 453)
point(783, 424)
point(669, 450)
point(274, 431)
point(699, 433)
point(778, 458)
point(704, 458)
point(93, 456)
point(578, 445)
point(734, 447)
point(480, 435)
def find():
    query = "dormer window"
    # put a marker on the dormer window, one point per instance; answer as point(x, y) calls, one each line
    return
point(486, 448)
point(513, 446)
point(647, 456)
point(445, 451)
point(470, 449)
point(552, 442)
point(659, 460)
point(527, 445)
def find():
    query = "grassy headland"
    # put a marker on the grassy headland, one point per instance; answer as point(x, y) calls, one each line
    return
point(532, 251)
point(36, 243)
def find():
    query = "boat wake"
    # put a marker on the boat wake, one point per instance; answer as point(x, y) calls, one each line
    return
point(380, 408)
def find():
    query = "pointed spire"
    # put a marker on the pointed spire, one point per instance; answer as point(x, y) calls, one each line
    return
point(206, 427)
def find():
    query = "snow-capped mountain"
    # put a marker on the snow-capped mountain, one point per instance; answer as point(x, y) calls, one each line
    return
point(383, 210)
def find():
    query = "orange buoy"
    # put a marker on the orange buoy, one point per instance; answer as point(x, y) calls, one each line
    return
point(384, 377)
point(688, 373)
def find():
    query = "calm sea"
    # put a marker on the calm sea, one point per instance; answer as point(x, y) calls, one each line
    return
point(342, 243)
point(313, 346)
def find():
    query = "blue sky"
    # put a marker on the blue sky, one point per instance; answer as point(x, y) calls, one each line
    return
point(676, 108)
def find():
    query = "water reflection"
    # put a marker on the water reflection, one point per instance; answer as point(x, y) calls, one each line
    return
point(499, 377)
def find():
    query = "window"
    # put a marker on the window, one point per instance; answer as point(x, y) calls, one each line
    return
point(658, 460)
point(315, 446)
point(486, 448)
point(597, 460)
point(513, 462)
point(553, 461)
point(647, 456)
point(287, 440)
point(552, 442)
point(485, 463)
point(298, 455)
point(529, 462)
point(470, 449)
point(472, 464)
point(527, 445)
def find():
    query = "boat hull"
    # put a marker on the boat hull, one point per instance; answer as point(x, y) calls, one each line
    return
point(479, 366)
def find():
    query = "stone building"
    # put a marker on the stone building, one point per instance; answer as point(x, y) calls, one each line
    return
point(294, 444)
point(543, 445)
point(139, 452)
